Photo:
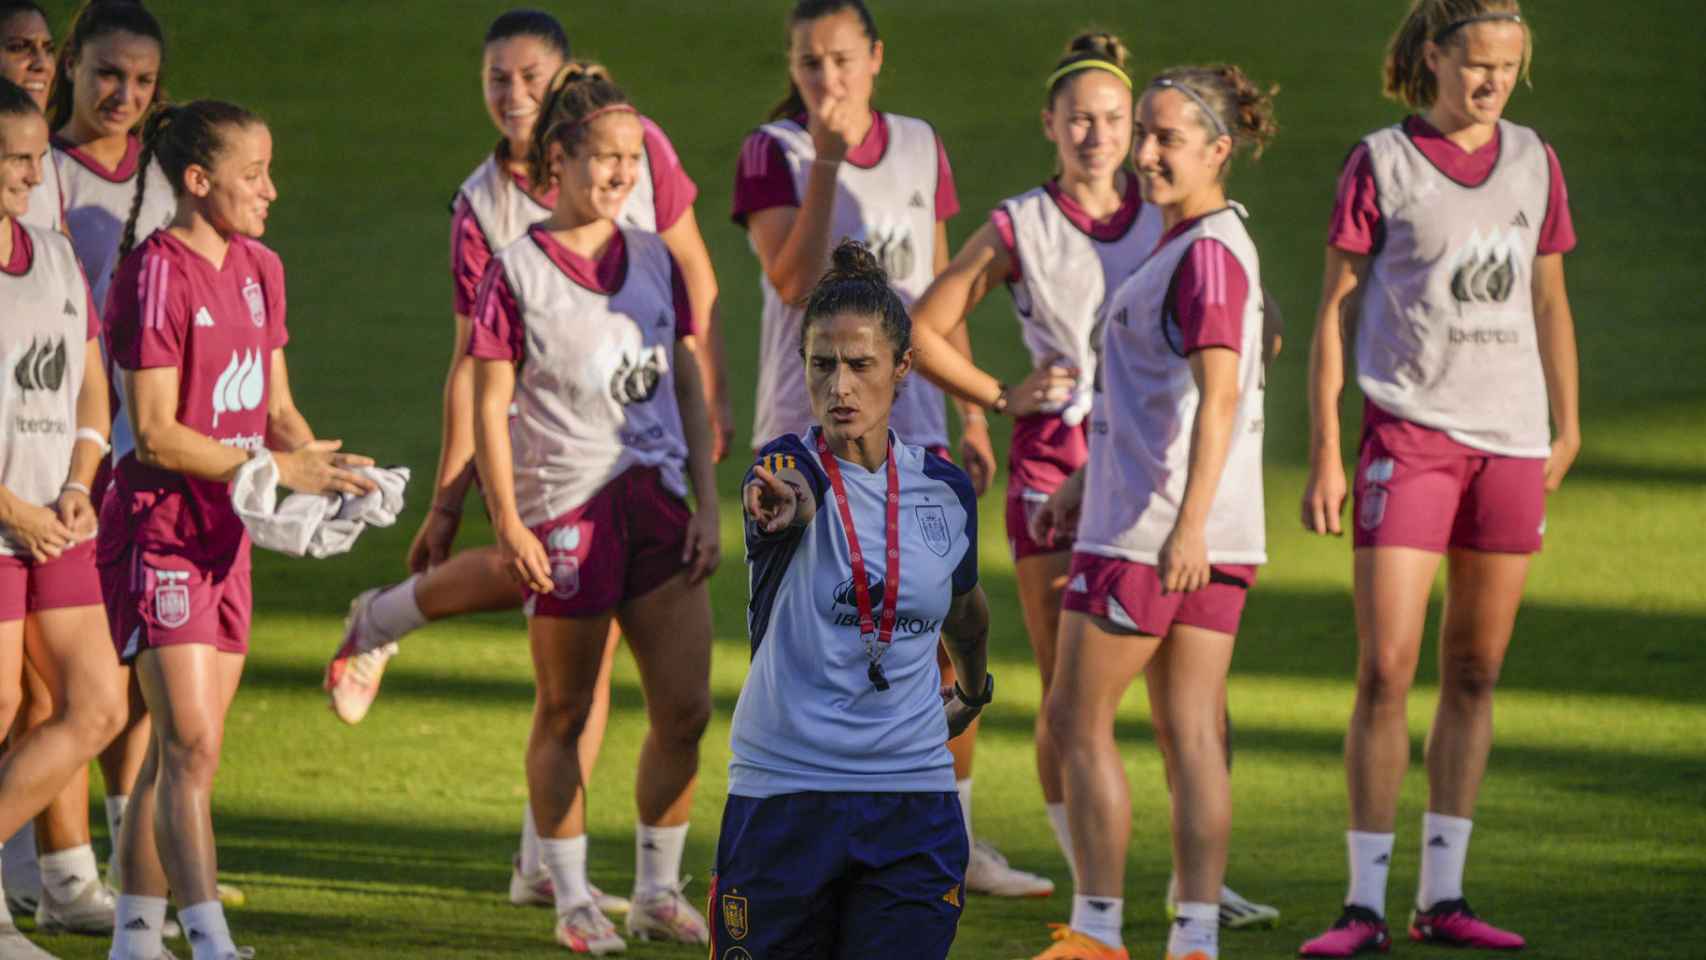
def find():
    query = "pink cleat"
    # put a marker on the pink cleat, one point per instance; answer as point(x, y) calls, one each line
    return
point(1451, 923)
point(353, 674)
point(1358, 930)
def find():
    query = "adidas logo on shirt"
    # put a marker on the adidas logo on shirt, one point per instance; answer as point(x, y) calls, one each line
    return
point(1521, 219)
point(1078, 585)
point(203, 318)
point(70, 309)
point(917, 201)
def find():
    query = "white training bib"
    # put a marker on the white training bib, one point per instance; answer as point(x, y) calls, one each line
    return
point(891, 207)
point(96, 208)
point(595, 392)
point(1447, 336)
point(1146, 404)
point(504, 211)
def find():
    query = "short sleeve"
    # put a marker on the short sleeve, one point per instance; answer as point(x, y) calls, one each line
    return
point(947, 198)
point(498, 326)
point(469, 255)
point(148, 314)
point(673, 191)
point(763, 178)
point(1208, 296)
point(1558, 230)
point(1002, 221)
point(937, 468)
point(784, 453)
point(685, 325)
point(1356, 225)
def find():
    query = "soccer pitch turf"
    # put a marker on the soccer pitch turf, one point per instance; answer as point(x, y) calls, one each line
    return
point(394, 838)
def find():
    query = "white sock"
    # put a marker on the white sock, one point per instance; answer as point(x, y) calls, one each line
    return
point(1063, 836)
point(531, 866)
point(565, 860)
point(1195, 929)
point(116, 804)
point(206, 932)
point(392, 614)
point(1445, 846)
point(137, 923)
point(963, 788)
point(1099, 917)
point(65, 872)
point(657, 858)
point(1370, 858)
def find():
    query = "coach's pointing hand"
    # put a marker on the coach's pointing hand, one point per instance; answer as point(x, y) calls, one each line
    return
point(771, 503)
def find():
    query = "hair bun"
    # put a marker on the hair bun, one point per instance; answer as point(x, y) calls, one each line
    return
point(852, 260)
point(1098, 45)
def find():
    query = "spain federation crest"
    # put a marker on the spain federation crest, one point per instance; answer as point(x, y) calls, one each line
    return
point(256, 301)
point(734, 916)
point(933, 525)
point(171, 598)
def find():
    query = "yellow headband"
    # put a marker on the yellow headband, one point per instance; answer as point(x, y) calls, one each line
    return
point(1078, 65)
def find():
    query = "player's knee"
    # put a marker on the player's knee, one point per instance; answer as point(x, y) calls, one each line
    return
point(97, 724)
point(1468, 677)
point(684, 722)
point(564, 718)
point(1067, 724)
point(192, 757)
point(1384, 681)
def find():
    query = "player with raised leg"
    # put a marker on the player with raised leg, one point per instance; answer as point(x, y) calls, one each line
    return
point(1450, 228)
point(585, 325)
point(196, 327)
point(1171, 526)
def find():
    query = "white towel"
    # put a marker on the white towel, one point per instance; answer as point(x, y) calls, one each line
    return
point(308, 524)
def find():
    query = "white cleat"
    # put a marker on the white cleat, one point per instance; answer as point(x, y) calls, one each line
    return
point(90, 912)
point(15, 946)
point(987, 872)
point(667, 916)
point(352, 676)
point(584, 929)
point(538, 891)
point(1236, 913)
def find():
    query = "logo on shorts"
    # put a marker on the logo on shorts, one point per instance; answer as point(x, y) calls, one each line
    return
point(1484, 269)
point(42, 367)
point(256, 300)
point(171, 597)
point(952, 897)
point(736, 953)
point(1078, 584)
point(240, 385)
point(1373, 509)
point(734, 916)
point(560, 546)
point(933, 524)
point(1380, 470)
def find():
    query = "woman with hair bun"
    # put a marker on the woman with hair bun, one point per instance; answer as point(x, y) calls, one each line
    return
point(842, 835)
point(585, 326)
point(1450, 228)
point(1170, 527)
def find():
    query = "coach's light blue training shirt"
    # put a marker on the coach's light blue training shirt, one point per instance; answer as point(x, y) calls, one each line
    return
point(808, 718)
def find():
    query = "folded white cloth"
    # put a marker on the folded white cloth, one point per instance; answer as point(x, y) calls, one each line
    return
point(309, 524)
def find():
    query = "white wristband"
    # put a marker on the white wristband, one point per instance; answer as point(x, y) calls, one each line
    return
point(78, 487)
point(93, 436)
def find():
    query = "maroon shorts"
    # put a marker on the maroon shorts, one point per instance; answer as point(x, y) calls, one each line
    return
point(623, 543)
point(160, 599)
point(1045, 451)
point(1022, 503)
point(69, 581)
point(1129, 594)
point(1416, 487)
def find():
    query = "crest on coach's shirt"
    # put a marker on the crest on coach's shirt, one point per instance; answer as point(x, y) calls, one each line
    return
point(171, 597)
point(734, 916)
point(257, 301)
point(933, 526)
point(1484, 270)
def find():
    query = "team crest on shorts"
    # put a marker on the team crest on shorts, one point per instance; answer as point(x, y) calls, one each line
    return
point(171, 598)
point(256, 300)
point(1373, 509)
point(933, 524)
point(560, 546)
point(736, 953)
point(734, 916)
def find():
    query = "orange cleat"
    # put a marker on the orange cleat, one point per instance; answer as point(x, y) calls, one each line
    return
point(1069, 944)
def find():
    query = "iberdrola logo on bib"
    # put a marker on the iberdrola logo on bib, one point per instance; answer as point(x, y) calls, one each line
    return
point(240, 385)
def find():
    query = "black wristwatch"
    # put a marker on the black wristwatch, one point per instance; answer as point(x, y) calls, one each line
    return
point(983, 699)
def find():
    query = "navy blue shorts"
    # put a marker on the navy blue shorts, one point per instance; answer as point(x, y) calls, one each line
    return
point(824, 876)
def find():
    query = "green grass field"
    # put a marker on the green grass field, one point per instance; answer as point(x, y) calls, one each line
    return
point(394, 838)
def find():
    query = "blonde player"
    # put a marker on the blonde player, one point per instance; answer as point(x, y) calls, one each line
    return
point(54, 410)
point(196, 325)
point(583, 325)
point(828, 166)
point(1450, 227)
point(524, 49)
point(1171, 526)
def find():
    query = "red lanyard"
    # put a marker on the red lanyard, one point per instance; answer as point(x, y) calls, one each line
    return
point(884, 635)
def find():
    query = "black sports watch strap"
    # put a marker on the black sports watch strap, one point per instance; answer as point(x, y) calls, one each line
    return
point(983, 699)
